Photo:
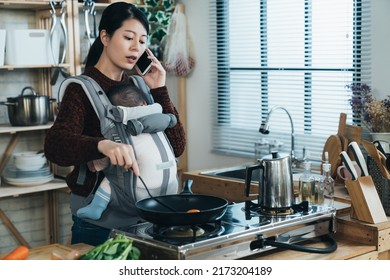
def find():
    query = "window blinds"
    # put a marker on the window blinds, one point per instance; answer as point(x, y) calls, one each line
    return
point(298, 54)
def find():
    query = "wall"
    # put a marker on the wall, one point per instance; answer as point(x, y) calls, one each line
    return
point(198, 82)
point(199, 110)
point(380, 44)
point(27, 213)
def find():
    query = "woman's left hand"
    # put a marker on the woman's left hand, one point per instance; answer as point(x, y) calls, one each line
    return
point(156, 76)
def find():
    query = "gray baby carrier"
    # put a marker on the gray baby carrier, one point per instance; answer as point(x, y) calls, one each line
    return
point(121, 210)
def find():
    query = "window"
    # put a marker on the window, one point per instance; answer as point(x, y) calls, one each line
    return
point(298, 54)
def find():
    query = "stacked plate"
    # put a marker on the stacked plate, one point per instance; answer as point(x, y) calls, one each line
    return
point(28, 169)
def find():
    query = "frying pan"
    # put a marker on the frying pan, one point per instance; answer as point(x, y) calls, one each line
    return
point(171, 210)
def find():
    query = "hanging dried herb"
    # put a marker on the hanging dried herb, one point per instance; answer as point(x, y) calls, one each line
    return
point(373, 113)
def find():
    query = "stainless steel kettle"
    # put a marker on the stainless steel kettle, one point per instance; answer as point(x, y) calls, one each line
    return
point(276, 181)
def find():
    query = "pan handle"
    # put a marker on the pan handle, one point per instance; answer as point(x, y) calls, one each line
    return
point(187, 185)
point(8, 103)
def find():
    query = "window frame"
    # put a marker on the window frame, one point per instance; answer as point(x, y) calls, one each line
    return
point(223, 72)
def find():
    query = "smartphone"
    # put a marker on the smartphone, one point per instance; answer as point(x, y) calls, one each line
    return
point(144, 63)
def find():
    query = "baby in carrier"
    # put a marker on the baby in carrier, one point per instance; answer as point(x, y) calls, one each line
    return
point(145, 125)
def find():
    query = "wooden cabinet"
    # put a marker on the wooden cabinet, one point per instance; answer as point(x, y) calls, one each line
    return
point(40, 12)
point(377, 235)
point(31, 15)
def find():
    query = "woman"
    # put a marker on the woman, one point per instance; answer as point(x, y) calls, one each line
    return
point(75, 137)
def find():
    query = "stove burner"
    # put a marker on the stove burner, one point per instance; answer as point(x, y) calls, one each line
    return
point(254, 208)
point(185, 234)
point(183, 231)
point(277, 211)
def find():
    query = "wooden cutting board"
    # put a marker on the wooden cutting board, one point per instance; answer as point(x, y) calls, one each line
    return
point(354, 133)
point(57, 252)
point(334, 147)
point(341, 131)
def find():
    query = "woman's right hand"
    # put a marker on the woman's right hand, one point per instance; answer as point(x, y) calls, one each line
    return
point(156, 77)
point(119, 154)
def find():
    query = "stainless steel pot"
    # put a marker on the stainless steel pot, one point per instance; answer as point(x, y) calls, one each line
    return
point(26, 110)
point(276, 181)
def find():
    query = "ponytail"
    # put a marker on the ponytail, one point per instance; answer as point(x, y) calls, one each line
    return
point(94, 52)
point(112, 19)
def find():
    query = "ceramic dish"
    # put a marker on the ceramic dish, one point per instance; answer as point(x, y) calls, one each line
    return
point(24, 182)
point(12, 172)
point(29, 161)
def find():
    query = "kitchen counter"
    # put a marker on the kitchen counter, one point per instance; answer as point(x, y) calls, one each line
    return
point(234, 190)
point(230, 189)
point(56, 251)
point(355, 239)
point(346, 250)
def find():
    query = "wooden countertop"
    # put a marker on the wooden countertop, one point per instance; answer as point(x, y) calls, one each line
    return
point(234, 190)
point(56, 251)
point(346, 250)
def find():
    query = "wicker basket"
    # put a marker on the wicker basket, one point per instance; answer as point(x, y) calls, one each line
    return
point(382, 184)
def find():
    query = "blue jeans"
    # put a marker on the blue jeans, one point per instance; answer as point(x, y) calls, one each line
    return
point(84, 232)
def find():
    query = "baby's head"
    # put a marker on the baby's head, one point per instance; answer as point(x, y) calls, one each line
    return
point(126, 95)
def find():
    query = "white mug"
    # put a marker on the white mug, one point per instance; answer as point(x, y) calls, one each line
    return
point(344, 174)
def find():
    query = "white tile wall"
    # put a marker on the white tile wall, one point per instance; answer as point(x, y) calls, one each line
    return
point(27, 214)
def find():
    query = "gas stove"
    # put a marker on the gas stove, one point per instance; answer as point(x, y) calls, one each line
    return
point(244, 230)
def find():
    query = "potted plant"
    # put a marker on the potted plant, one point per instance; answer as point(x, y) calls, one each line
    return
point(159, 13)
point(372, 112)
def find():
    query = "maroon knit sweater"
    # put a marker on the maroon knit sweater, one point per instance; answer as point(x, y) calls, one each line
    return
point(74, 136)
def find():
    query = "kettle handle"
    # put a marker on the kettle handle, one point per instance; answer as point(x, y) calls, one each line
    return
point(248, 176)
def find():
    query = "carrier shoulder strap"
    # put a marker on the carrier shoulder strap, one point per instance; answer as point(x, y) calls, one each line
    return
point(93, 91)
point(104, 109)
point(140, 83)
point(110, 121)
point(90, 85)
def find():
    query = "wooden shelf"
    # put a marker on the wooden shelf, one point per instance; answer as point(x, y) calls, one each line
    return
point(14, 129)
point(25, 5)
point(23, 67)
point(51, 208)
point(14, 191)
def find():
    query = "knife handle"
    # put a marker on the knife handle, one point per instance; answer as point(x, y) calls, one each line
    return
point(348, 164)
point(359, 158)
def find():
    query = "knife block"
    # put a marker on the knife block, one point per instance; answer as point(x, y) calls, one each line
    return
point(366, 205)
point(382, 184)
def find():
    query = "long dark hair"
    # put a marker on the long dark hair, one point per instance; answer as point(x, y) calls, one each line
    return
point(112, 18)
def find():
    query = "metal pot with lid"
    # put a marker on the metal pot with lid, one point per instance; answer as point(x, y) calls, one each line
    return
point(28, 109)
point(275, 183)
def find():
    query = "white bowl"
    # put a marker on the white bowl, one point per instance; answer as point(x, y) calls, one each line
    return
point(29, 161)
